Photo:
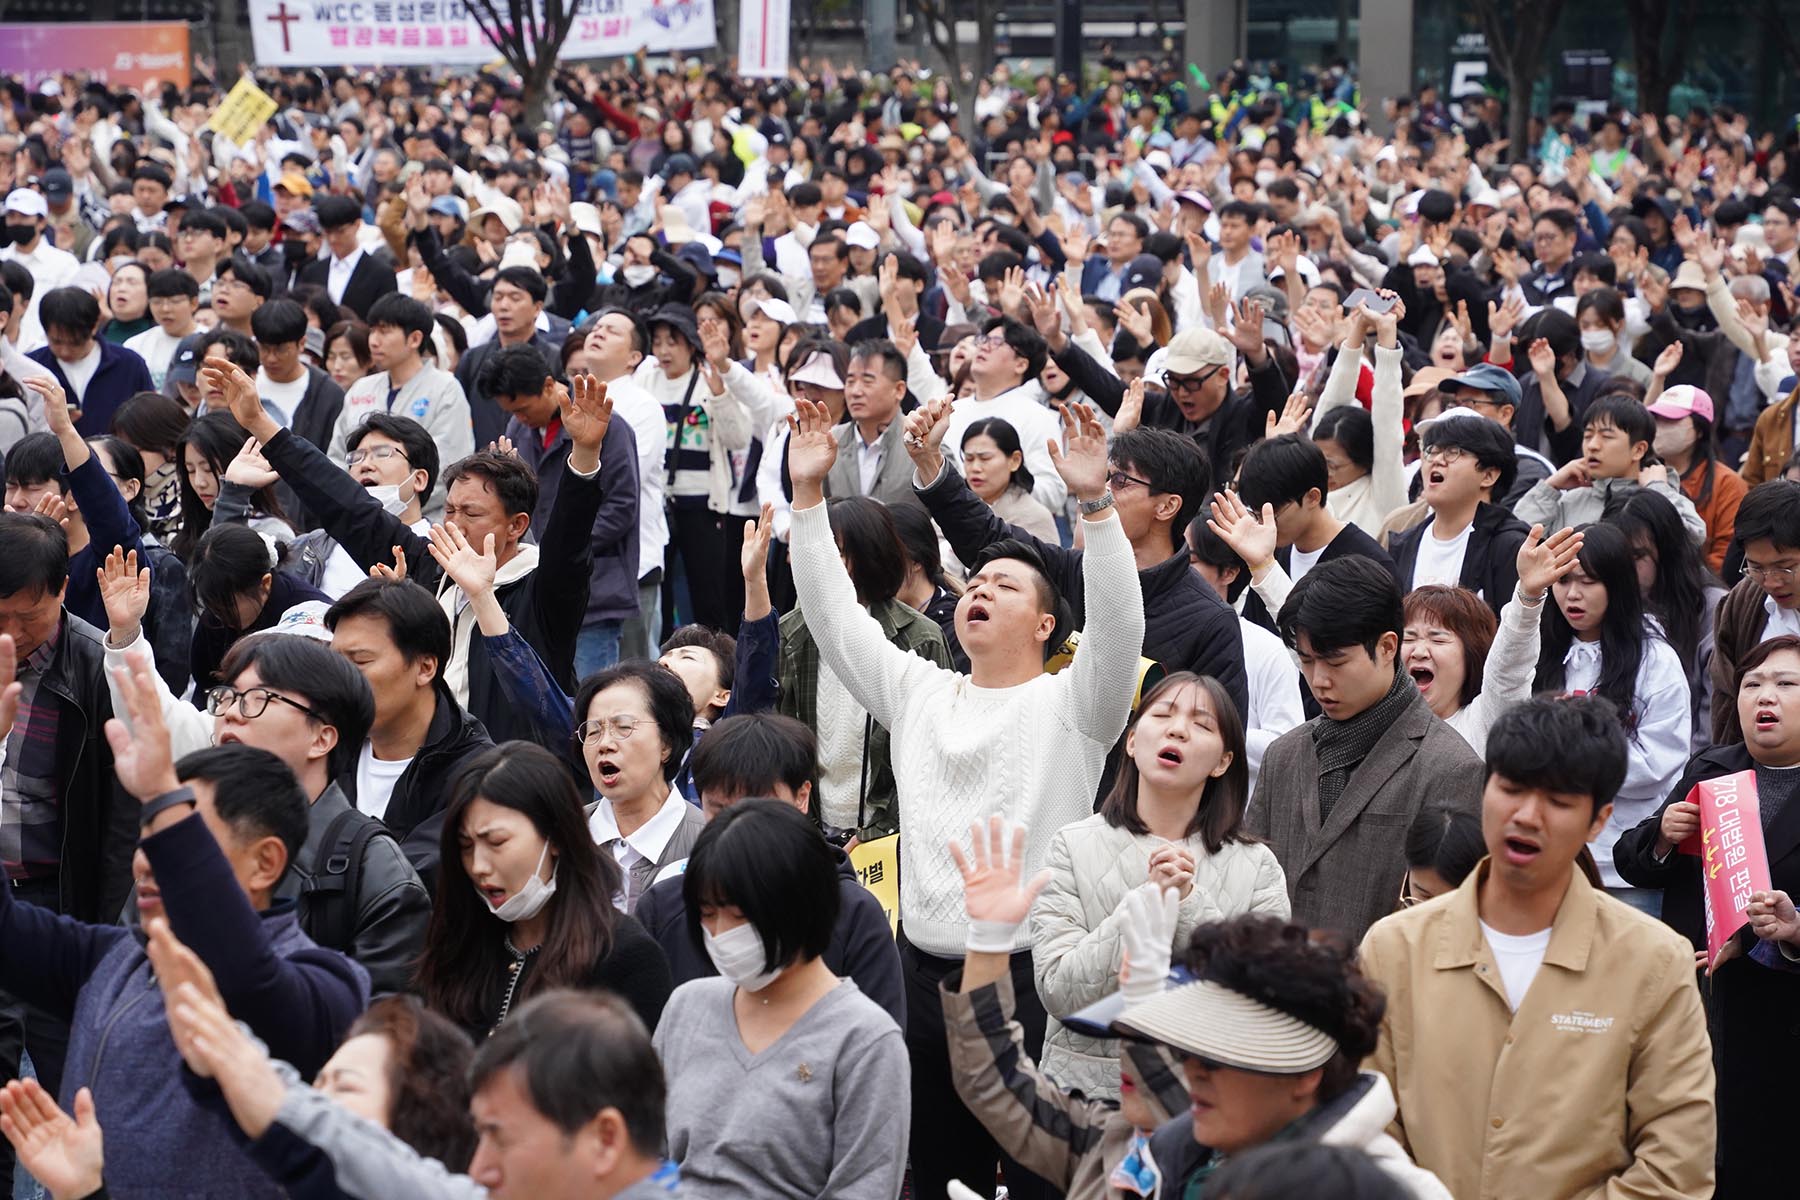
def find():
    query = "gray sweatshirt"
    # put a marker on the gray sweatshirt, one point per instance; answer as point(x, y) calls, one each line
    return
point(1555, 509)
point(824, 1111)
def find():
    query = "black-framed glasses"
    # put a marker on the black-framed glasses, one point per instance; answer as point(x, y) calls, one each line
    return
point(1189, 383)
point(376, 454)
point(1118, 479)
point(251, 702)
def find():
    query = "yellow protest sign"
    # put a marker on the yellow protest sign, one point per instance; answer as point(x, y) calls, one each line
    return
point(245, 109)
point(877, 866)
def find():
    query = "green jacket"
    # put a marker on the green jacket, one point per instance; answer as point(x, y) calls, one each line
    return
point(905, 628)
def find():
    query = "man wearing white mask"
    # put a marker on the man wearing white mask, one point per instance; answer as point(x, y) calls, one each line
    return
point(27, 214)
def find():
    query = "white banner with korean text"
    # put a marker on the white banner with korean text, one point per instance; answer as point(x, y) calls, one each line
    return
point(318, 33)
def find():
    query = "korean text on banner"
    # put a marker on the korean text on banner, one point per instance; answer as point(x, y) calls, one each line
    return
point(877, 866)
point(763, 39)
point(119, 54)
point(245, 109)
point(316, 33)
point(1733, 861)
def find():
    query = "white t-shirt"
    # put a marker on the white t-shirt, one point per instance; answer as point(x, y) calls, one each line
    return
point(1441, 562)
point(1301, 561)
point(156, 348)
point(1518, 958)
point(80, 373)
point(281, 399)
point(342, 572)
point(375, 780)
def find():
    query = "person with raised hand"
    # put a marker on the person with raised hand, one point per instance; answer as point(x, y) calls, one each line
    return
point(66, 1154)
point(1005, 739)
point(494, 494)
point(1078, 1144)
point(219, 829)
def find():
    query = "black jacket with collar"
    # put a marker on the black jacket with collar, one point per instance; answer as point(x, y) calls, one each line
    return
point(370, 280)
point(313, 419)
point(100, 821)
point(1186, 626)
point(1350, 540)
point(488, 417)
point(416, 806)
point(1490, 565)
point(546, 605)
point(391, 906)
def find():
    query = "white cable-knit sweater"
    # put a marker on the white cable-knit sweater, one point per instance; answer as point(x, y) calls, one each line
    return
point(1031, 753)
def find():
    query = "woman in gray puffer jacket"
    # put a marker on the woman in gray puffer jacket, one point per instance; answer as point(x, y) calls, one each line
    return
point(1172, 817)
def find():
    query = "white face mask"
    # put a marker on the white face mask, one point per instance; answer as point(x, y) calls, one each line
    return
point(728, 279)
point(739, 955)
point(1674, 437)
point(529, 900)
point(391, 498)
point(637, 276)
point(1598, 341)
point(1265, 178)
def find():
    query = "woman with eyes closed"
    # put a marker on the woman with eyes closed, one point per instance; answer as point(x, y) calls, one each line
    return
point(1467, 668)
point(1172, 818)
point(525, 899)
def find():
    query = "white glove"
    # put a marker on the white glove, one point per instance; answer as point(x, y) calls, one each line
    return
point(1149, 936)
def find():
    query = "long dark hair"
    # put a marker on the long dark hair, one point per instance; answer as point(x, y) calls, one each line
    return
point(920, 541)
point(1606, 559)
point(1001, 432)
point(218, 437)
point(462, 970)
point(1220, 813)
point(1678, 597)
point(127, 465)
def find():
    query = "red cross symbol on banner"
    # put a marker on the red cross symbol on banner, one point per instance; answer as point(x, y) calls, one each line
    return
point(282, 15)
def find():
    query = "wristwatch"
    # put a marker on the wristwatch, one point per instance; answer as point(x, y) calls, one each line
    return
point(1090, 507)
point(161, 804)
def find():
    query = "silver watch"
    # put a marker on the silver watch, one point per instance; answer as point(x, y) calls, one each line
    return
point(1090, 507)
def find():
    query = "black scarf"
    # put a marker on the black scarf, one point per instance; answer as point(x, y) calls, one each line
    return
point(1342, 745)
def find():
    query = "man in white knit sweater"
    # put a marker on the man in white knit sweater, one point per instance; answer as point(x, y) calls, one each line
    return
point(1007, 739)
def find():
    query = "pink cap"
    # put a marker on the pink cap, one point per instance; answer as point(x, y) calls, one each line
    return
point(1682, 400)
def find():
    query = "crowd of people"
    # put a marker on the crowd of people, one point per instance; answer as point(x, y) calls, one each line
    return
point(488, 608)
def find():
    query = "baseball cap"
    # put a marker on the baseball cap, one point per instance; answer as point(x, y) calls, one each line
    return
point(778, 310)
point(1194, 350)
point(314, 343)
point(184, 367)
point(27, 203)
point(507, 209)
point(1682, 400)
point(1144, 271)
point(1486, 377)
point(453, 206)
point(1198, 199)
point(302, 220)
point(862, 235)
point(305, 619)
point(679, 164)
point(295, 182)
point(585, 216)
point(819, 370)
point(58, 184)
point(1426, 379)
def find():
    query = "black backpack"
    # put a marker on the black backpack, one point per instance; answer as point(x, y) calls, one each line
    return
point(328, 896)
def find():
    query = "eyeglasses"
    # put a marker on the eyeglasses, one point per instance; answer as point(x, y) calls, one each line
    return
point(1767, 575)
point(251, 702)
point(1118, 479)
point(993, 339)
point(621, 726)
point(376, 454)
point(1445, 455)
point(1189, 383)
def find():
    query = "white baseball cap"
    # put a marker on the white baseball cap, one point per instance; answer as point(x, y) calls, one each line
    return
point(862, 235)
point(778, 310)
point(27, 202)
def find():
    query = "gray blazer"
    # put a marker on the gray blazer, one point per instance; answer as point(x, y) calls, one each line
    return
point(893, 482)
point(1347, 874)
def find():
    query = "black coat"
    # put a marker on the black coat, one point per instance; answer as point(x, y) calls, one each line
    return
point(488, 417)
point(1186, 626)
point(1490, 566)
point(1350, 540)
point(1756, 1029)
point(416, 806)
point(370, 280)
point(862, 945)
point(546, 606)
point(313, 419)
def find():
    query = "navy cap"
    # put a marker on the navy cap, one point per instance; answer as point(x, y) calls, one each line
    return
point(184, 367)
point(58, 184)
point(1498, 382)
point(1144, 271)
point(679, 164)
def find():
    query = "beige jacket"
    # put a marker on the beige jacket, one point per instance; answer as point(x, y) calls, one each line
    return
point(1600, 1087)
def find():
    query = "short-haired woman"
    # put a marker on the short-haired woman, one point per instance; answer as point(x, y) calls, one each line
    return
point(784, 1080)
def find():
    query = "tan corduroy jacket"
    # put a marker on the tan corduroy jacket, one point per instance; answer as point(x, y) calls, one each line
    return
point(1599, 1087)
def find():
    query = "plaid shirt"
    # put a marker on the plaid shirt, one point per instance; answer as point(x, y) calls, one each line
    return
point(30, 810)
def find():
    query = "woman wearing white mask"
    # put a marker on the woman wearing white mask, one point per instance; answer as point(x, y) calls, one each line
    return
point(776, 1049)
point(525, 899)
point(1605, 346)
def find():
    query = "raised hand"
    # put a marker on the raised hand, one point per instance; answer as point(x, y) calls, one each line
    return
point(1773, 917)
point(924, 436)
point(1502, 320)
point(1044, 315)
point(1387, 324)
point(812, 449)
point(1544, 560)
point(1083, 464)
point(1668, 359)
point(1252, 538)
point(66, 1155)
point(1653, 286)
point(1012, 291)
point(141, 756)
point(753, 559)
point(1294, 417)
point(1246, 333)
point(250, 469)
point(470, 569)
point(395, 573)
point(993, 891)
point(587, 413)
point(1131, 407)
point(1076, 245)
point(1135, 320)
point(239, 389)
point(1150, 914)
point(1543, 358)
point(56, 405)
point(174, 964)
point(53, 506)
point(125, 593)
